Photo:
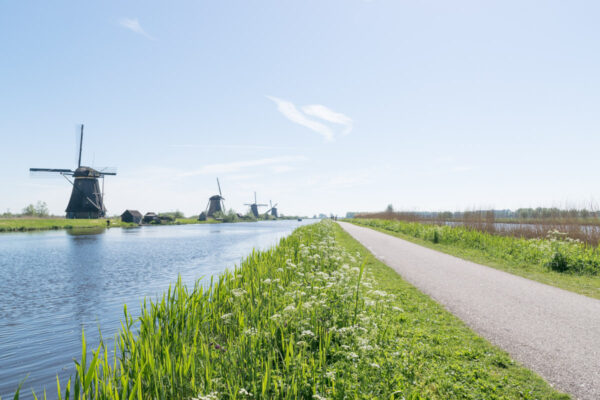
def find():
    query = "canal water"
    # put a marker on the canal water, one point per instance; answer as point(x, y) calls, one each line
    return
point(54, 284)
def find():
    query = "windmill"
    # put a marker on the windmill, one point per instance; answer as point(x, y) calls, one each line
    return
point(254, 206)
point(87, 200)
point(215, 203)
point(272, 210)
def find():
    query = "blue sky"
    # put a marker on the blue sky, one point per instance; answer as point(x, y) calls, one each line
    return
point(321, 106)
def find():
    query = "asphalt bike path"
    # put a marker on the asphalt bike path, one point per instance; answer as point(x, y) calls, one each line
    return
point(554, 332)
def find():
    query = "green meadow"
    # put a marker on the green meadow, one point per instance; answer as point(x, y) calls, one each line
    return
point(316, 317)
point(554, 260)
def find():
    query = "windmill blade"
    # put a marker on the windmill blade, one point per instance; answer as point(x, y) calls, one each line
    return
point(79, 143)
point(254, 197)
point(61, 170)
point(219, 185)
point(107, 170)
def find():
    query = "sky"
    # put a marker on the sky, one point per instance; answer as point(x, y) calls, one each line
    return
point(323, 106)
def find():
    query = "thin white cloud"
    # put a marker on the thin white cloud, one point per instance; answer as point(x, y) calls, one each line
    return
point(289, 110)
point(236, 146)
point(134, 25)
point(322, 112)
point(223, 168)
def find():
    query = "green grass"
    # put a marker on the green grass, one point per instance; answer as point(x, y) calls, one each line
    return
point(38, 224)
point(314, 318)
point(35, 224)
point(530, 258)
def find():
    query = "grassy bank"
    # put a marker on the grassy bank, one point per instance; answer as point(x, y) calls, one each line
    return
point(39, 224)
point(314, 318)
point(557, 261)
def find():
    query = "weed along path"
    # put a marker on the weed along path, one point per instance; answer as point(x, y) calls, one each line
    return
point(554, 332)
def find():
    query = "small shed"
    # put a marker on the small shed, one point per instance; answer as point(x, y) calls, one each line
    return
point(132, 216)
point(150, 217)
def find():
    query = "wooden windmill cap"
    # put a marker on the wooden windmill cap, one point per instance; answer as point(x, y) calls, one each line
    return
point(86, 172)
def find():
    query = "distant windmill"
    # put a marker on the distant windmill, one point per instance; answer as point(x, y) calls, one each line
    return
point(254, 206)
point(272, 210)
point(215, 203)
point(87, 201)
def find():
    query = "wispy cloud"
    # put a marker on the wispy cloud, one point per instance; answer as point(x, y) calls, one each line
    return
point(223, 168)
point(291, 112)
point(134, 25)
point(236, 146)
point(320, 111)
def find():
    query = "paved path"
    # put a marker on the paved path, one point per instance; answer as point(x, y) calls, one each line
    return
point(554, 332)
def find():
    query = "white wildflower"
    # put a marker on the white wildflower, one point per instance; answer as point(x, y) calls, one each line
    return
point(244, 392)
point(210, 396)
point(238, 292)
point(275, 317)
point(226, 317)
point(290, 308)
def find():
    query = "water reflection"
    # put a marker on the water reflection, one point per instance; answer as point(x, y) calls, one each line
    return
point(85, 231)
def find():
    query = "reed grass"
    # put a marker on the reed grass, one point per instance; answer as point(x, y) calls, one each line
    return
point(314, 318)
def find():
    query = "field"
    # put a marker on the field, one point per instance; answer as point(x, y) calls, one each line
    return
point(555, 259)
point(314, 318)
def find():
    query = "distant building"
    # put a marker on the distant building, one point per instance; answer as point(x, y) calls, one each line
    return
point(132, 216)
point(151, 217)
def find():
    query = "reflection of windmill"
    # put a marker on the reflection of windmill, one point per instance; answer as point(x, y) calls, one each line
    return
point(272, 210)
point(254, 206)
point(215, 203)
point(86, 198)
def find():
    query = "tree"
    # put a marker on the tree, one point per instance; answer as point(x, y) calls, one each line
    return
point(389, 208)
point(41, 209)
point(29, 210)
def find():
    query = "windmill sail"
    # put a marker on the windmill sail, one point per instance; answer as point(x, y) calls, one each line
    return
point(87, 200)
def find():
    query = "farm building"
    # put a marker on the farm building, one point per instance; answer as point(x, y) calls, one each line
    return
point(150, 217)
point(132, 216)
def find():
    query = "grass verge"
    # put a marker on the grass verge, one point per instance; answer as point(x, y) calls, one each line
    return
point(528, 258)
point(314, 318)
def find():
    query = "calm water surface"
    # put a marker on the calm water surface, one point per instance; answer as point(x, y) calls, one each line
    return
point(53, 284)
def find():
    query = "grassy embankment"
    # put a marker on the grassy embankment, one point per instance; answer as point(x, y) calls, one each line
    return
point(36, 224)
point(554, 260)
point(314, 318)
point(39, 224)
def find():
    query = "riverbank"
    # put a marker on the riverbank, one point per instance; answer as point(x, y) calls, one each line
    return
point(316, 317)
point(555, 261)
point(40, 224)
